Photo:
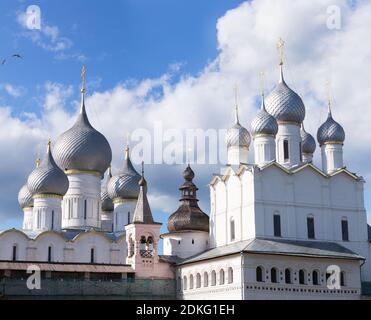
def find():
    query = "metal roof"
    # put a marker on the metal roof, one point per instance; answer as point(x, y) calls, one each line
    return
point(279, 247)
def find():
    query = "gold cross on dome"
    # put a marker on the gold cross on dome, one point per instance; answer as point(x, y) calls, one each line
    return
point(83, 71)
point(281, 49)
point(262, 81)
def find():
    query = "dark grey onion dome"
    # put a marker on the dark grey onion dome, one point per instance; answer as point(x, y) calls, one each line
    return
point(330, 131)
point(125, 184)
point(308, 144)
point(188, 217)
point(107, 203)
point(48, 178)
point(82, 147)
point(285, 104)
point(264, 123)
point(238, 136)
point(25, 199)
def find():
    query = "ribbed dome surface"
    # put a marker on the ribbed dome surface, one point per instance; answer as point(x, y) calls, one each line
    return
point(285, 104)
point(264, 123)
point(82, 147)
point(107, 203)
point(25, 197)
point(48, 178)
point(330, 131)
point(238, 136)
point(308, 144)
point(125, 185)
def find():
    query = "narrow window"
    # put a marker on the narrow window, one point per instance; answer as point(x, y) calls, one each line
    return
point(310, 227)
point(129, 217)
point(193, 241)
point(49, 254)
point(259, 274)
point(191, 281)
point(274, 275)
point(288, 276)
point(213, 278)
point(14, 257)
point(230, 275)
point(85, 209)
point(286, 150)
point(222, 277)
point(185, 283)
point(198, 280)
point(92, 255)
point(315, 278)
point(300, 153)
point(342, 279)
point(52, 219)
point(344, 230)
point(206, 279)
point(232, 226)
point(277, 225)
point(178, 242)
point(301, 277)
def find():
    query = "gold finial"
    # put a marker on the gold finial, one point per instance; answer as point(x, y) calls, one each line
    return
point(236, 103)
point(281, 50)
point(142, 168)
point(83, 72)
point(262, 82)
point(328, 94)
point(38, 162)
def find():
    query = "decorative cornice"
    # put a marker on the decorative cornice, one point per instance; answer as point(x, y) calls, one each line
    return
point(120, 200)
point(75, 171)
point(289, 122)
point(44, 195)
point(332, 142)
point(263, 135)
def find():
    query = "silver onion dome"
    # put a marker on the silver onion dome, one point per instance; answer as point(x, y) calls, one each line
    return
point(48, 178)
point(330, 131)
point(124, 185)
point(264, 123)
point(107, 203)
point(82, 147)
point(285, 104)
point(308, 144)
point(25, 199)
point(238, 136)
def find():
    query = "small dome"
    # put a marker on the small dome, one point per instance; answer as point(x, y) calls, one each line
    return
point(264, 123)
point(25, 199)
point(107, 203)
point(330, 131)
point(308, 144)
point(48, 178)
point(238, 136)
point(125, 185)
point(82, 147)
point(285, 104)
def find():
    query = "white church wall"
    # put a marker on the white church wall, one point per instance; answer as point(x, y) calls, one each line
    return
point(220, 223)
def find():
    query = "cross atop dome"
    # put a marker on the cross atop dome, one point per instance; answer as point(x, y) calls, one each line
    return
point(281, 50)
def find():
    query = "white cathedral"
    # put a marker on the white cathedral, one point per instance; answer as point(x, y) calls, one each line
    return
point(278, 225)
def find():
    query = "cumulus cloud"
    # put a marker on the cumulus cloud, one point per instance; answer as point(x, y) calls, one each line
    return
point(247, 37)
point(14, 91)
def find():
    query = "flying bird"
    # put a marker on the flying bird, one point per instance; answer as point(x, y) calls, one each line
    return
point(16, 55)
point(3, 62)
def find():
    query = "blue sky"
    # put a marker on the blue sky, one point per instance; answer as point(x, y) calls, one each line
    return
point(205, 46)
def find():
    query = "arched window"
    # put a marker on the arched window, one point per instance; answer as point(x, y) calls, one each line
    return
point(179, 284)
point(149, 243)
point(344, 229)
point(310, 227)
point(191, 282)
point(92, 255)
point(14, 253)
point(342, 278)
point(221, 277)
point(288, 276)
point(230, 275)
point(259, 274)
point(85, 209)
point(232, 227)
point(286, 153)
point(213, 278)
point(52, 227)
point(185, 284)
point(143, 243)
point(277, 225)
point(198, 280)
point(315, 278)
point(302, 279)
point(206, 279)
point(193, 241)
point(50, 258)
point(274, 278)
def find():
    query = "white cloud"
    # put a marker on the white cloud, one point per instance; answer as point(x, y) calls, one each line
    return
point(247, 37)
point(14, 91)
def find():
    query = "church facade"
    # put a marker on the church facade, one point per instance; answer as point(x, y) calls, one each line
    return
point(279, 226)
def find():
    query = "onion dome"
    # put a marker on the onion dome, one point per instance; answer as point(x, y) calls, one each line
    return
point(125, 184)
point(308, 144)
point(188, 217)
point(238, 136)
point(48, 178)
point(25, 199)
point(330, 131)
point(264, 123)
point(142, 212)
point(82, 147)
point(284, 104)
point(107, 203)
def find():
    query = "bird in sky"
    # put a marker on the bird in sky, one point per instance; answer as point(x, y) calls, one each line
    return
point(16, 55)
point(3, 61)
